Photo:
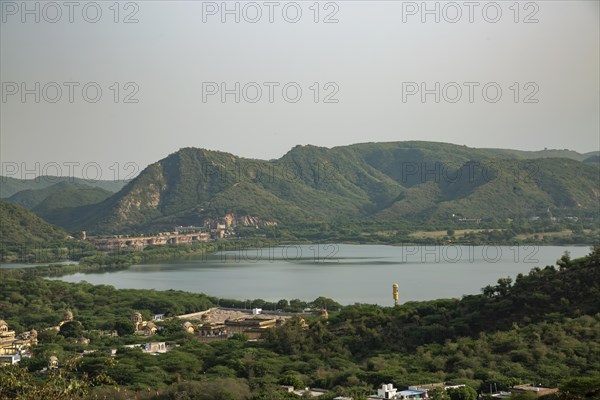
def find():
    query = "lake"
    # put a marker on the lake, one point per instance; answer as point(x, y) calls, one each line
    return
point(344, 272)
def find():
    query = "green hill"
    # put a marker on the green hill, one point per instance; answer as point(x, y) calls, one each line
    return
point(417, 181)
point(60, 195)
point(57, 207)
point(19, 227)
point(30, 198)
point(10, 186)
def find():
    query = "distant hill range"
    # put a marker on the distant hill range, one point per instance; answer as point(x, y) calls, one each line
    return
point(53, 198)
point(59, 195)
point(10, 186)
point(417, 181)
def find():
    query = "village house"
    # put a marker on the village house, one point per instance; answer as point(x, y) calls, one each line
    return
point(7, 338)
point(209, 330)
point(12, 344)
point(146, 328)
point(253, 328)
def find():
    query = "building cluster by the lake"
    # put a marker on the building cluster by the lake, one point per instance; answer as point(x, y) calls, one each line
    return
point(140, 242)
point(211, 229)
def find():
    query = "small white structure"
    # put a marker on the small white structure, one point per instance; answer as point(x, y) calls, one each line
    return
point(150, 348)
point(159, 317)
point(155, 347)
point(256, 311)
point(387, 391)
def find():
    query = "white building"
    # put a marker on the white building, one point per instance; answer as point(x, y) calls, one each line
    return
point(388, 391)
point(9, 359)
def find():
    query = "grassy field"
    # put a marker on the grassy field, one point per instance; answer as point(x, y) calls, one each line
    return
point(458, 233)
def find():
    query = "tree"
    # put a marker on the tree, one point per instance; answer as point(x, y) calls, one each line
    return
point(71, 329)
point(282, 304)
point(214, 389)
point(564, 261)
point(124, 327)
point(326, 303)
point(450, 232)
point(504, 285)
point(438, 393)
point(580, 388)
point(297, 304)
point(292, 380)
point(17, 383)
point(462, 393)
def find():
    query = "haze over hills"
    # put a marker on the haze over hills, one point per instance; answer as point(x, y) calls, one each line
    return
point(397, 181)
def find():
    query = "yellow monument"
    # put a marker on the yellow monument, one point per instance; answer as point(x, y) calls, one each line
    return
point(395, 293)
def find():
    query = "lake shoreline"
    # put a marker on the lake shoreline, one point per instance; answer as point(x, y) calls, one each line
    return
point(355, 273)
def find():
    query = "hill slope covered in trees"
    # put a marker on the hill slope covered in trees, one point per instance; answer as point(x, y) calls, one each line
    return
point(19, 226)
point(418, 181)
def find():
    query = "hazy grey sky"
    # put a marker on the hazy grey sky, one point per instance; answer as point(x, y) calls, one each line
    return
point(375, 61)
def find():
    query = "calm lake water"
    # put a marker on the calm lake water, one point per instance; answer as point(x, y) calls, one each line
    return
point(346, 273)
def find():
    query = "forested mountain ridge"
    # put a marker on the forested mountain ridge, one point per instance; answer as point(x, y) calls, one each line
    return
point(418, 181)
